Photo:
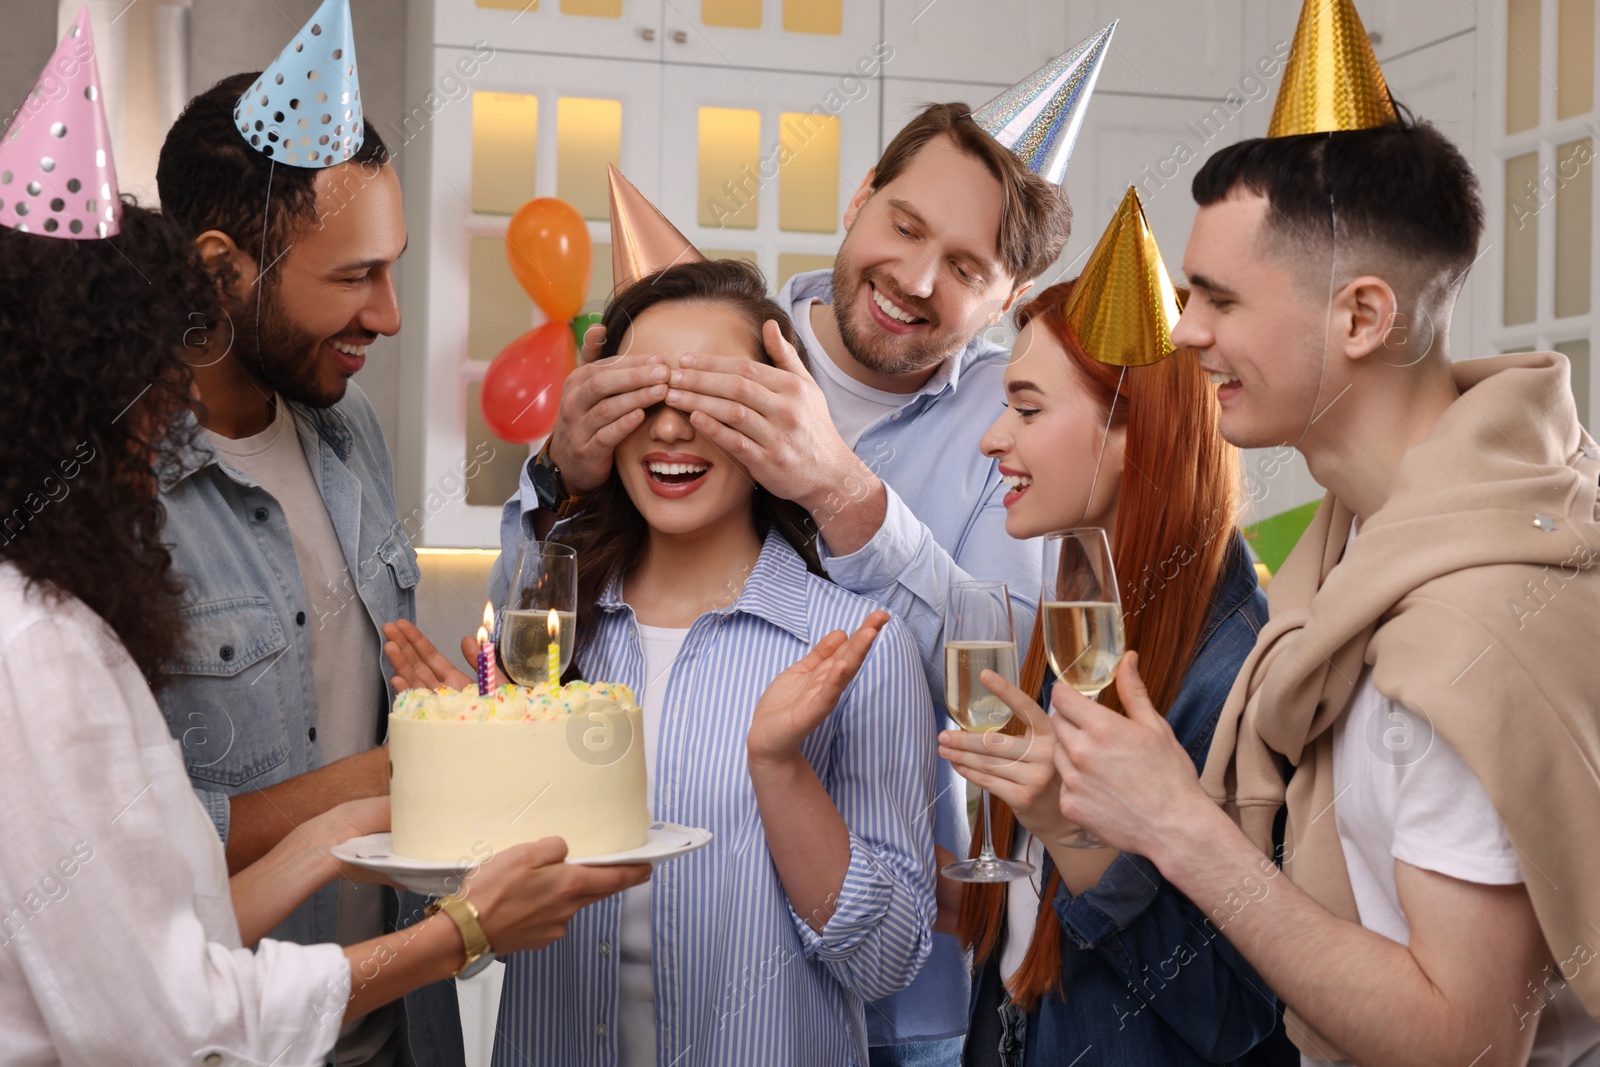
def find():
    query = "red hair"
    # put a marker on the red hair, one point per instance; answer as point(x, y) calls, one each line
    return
point(1176, 512)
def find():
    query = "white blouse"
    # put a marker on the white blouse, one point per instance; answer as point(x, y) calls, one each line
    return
point(118, 941)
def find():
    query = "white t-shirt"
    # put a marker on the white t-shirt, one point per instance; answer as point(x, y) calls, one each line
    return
point(854, 406)
point(1402, 793)
point(344, 660)
point(636, 1019)
point(1022, 902)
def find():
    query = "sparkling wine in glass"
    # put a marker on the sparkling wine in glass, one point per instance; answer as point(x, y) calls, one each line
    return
point(1082, 612)
point(978, 636)
point(545, 581)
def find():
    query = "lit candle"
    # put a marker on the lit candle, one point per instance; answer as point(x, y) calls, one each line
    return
point(486, 678)
point(552, 669)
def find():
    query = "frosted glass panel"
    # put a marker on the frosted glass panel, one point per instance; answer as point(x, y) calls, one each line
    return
point(808, 172)
point(596, 9)
point(600, 280)
point(505, 131)
point(498, 311)
point(813, 16)
point(738, 14)
point(1574, 208)
point(495, 481)
point(588, 136)
point(730, 150)
point(1575, 58)
point(1521, 240)
point(1578, 353)
point(792, 263)
point(1522, 65)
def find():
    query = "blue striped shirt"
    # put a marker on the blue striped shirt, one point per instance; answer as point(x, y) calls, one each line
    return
point(739, 977)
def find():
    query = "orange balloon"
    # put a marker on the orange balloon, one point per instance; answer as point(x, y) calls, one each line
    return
point(548, 246)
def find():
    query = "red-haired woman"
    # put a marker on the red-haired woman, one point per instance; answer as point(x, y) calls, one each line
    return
point(1095, 959)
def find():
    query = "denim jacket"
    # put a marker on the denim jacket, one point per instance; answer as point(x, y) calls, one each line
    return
point(1148, 981)
point(240, 698)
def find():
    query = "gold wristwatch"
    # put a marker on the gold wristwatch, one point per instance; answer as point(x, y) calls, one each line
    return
point(465, 916)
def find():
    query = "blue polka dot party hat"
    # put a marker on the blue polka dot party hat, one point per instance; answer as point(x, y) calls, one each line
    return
point(305, 109)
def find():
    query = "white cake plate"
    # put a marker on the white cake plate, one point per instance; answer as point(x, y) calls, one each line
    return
point(433, 878)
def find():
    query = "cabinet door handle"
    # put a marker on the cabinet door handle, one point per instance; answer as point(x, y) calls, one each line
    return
point(647, 33)
point(681, 36)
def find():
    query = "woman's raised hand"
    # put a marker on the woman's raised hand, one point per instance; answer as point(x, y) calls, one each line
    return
point(1017, 768)
point(525, 894)
point(417, 663)
point(797, 701)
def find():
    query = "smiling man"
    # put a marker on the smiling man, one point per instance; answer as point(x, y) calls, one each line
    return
point(282, 521)
point(1417, 727)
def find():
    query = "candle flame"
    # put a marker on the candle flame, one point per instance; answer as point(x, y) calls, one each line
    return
point(488, 616)
point(552, 625)
point(483, 636)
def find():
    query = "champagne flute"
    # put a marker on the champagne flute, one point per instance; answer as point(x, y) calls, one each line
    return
point(1082, 620)
point(541, 610)
point(978, 636)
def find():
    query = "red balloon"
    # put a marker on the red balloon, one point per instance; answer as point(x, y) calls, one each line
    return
point(522, 387)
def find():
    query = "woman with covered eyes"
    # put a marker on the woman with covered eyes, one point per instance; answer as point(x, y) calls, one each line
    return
point(698, 590)
point(1094, 958)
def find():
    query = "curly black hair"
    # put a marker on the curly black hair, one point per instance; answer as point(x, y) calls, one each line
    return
point(210, 178)
point(92, 340)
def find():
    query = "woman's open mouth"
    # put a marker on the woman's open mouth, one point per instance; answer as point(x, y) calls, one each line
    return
point(674, 476)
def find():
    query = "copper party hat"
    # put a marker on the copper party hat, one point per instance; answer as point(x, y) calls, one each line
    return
point(1123, 308)
point(642, 240)
point(1039, 117)
point(1332, 81)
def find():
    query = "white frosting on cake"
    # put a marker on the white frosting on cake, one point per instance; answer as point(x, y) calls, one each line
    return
point(472, 775)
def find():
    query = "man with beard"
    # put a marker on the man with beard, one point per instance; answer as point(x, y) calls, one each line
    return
point(878, 443)
point(282, 520)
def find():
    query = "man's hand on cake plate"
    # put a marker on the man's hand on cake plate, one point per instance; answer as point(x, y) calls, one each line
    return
point(417, 663)
point(343, 822)
point(797, 701)
point(525, 894)
point(602, 401)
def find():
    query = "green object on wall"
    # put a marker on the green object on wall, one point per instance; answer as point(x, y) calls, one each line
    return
point(580, 326)
point(1274, 538)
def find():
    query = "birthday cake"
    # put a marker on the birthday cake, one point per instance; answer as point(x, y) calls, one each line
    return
point(471, 775)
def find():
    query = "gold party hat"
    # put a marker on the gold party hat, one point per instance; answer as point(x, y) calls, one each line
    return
point(1123, 307)
point(642, 240)
point(1332, 81)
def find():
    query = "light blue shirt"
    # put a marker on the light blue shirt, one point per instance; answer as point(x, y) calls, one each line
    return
point(945, 523)
point(739, 977)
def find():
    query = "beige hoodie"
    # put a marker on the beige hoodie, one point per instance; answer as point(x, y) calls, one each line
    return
point(1474, 594)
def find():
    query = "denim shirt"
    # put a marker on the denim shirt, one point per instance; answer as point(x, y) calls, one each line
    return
point(1148, 979)
point(240, 697)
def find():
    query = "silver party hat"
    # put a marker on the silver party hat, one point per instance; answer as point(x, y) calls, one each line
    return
point(1038, 118)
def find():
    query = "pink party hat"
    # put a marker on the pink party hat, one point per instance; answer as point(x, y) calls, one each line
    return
point(56, 174)
point(1039, 117)
point(305, 109)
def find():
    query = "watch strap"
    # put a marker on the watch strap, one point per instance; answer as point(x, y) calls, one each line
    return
point(465, 915)
point(562, 501)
